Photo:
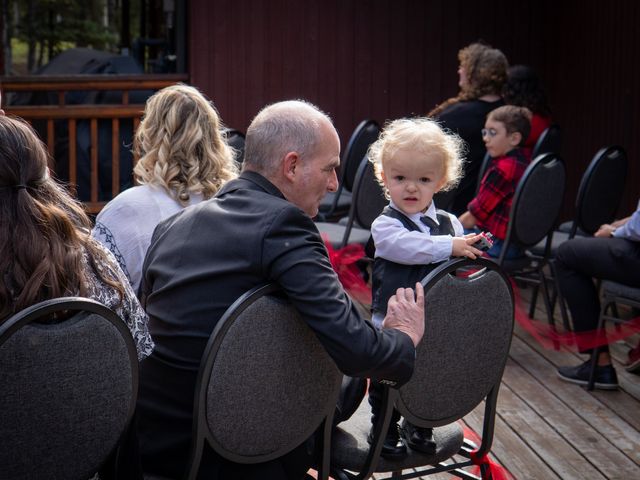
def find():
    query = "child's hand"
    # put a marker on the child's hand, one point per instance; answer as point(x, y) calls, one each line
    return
point(463, 246)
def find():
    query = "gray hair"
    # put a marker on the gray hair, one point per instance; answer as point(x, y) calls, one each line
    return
point(279, 128)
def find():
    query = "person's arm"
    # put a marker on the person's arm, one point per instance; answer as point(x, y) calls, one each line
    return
point(631, 228)
point(294, 257)
point(468, 220)
point(401, 308)
point(397, 244)
point(495, 187)
point(129, 308)
point(607, 229)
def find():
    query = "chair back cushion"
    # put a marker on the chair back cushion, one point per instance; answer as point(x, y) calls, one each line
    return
point(601, 189)
point(537, 201)
point(68, 393)
point(270, 382)
point(468, 327)
point(550, 141)
point(362, 137)
point(368, 196)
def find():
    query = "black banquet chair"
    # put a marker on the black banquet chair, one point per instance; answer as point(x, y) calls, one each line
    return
point(599, 196)
point(69, 381)
point(235, 139)
point(534, 212)
point(469, 313)
point(599, 193)
point(550, 141)
point(336, 205)
point(367, 203)
point(261, 345)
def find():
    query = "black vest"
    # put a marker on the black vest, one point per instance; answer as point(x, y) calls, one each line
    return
point(388, 276)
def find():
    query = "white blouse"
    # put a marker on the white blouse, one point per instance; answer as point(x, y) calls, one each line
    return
point(126, 223)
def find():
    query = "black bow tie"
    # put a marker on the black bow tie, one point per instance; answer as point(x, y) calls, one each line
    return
point(444, 227)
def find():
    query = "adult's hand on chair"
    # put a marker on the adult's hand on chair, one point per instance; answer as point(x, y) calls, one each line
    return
point(405, 312)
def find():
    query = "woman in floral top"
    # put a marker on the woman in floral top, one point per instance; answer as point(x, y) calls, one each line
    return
point(46, 250)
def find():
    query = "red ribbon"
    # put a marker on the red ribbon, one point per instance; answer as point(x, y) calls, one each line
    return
point(548, 337)
point(495, 471)
point(343, 262)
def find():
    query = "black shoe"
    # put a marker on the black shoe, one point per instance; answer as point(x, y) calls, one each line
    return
point(418, 438)
point(606, 378)
point(393, 447)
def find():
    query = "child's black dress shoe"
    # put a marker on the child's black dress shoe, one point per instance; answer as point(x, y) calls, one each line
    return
point(418, 438)
point(393, 447)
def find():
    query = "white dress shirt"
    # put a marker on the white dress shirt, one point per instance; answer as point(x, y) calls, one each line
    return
point(395, 243)
point(631, 229)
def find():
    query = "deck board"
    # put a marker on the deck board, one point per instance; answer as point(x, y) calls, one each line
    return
point(548, 429)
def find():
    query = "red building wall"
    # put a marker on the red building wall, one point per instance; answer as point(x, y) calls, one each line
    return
point(384, 59)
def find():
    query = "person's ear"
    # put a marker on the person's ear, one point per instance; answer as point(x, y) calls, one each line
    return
point(515, 138)
point(291, 165)
point(383, 177)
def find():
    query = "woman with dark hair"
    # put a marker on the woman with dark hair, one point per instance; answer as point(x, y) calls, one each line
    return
point(482, 72)
point(46, 250)
point(524, 89)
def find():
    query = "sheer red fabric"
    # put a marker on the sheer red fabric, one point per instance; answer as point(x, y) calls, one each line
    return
point(550, 338)
point(496, 471)
point(343, 262)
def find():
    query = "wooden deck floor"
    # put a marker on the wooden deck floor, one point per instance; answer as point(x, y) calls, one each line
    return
point(550, 429)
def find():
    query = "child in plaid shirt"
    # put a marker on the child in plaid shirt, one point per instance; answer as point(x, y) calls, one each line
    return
point(505, 132)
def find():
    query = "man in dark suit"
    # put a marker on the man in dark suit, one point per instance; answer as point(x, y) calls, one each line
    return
point(258, 229)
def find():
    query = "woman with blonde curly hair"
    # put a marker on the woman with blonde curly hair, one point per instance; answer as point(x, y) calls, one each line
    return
point(46, 251)
point(184, 159)
point(482, 74)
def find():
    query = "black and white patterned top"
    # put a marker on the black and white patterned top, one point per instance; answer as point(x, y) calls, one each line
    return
point(129, 309)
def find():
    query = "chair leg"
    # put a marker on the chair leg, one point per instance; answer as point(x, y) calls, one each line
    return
point(596, 351)
point(547, 301)
point(594, 365)
point(560, 299)
point(534, 300)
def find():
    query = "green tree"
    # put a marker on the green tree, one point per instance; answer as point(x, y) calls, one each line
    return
point(50, 26)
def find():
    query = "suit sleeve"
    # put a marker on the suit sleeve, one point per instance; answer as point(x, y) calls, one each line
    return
point(295, 257)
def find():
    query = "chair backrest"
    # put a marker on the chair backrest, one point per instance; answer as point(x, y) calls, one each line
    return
point(550, 141)
point(461, 358)
point(536, 202)
point(235, 139)
point(486, 161)
point(68, 389)
point(362, 137)
point(368, 199)
point(600, 190)
point(265, 383)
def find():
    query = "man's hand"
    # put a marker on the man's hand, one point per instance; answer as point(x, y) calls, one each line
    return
point(604, 231)
point(607, 230)
point(406, 313)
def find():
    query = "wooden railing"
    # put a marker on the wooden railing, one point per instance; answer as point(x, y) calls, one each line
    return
point(58, 126)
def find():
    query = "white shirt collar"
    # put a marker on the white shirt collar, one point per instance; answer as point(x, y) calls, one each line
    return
point(415, 217)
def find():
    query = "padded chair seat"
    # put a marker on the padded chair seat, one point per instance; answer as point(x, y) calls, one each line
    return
point(620, 290)
point(335, 233)
point(342, 207)
point(566, 228)
point(558, 238)
point(350, 447)
point(519, 264)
